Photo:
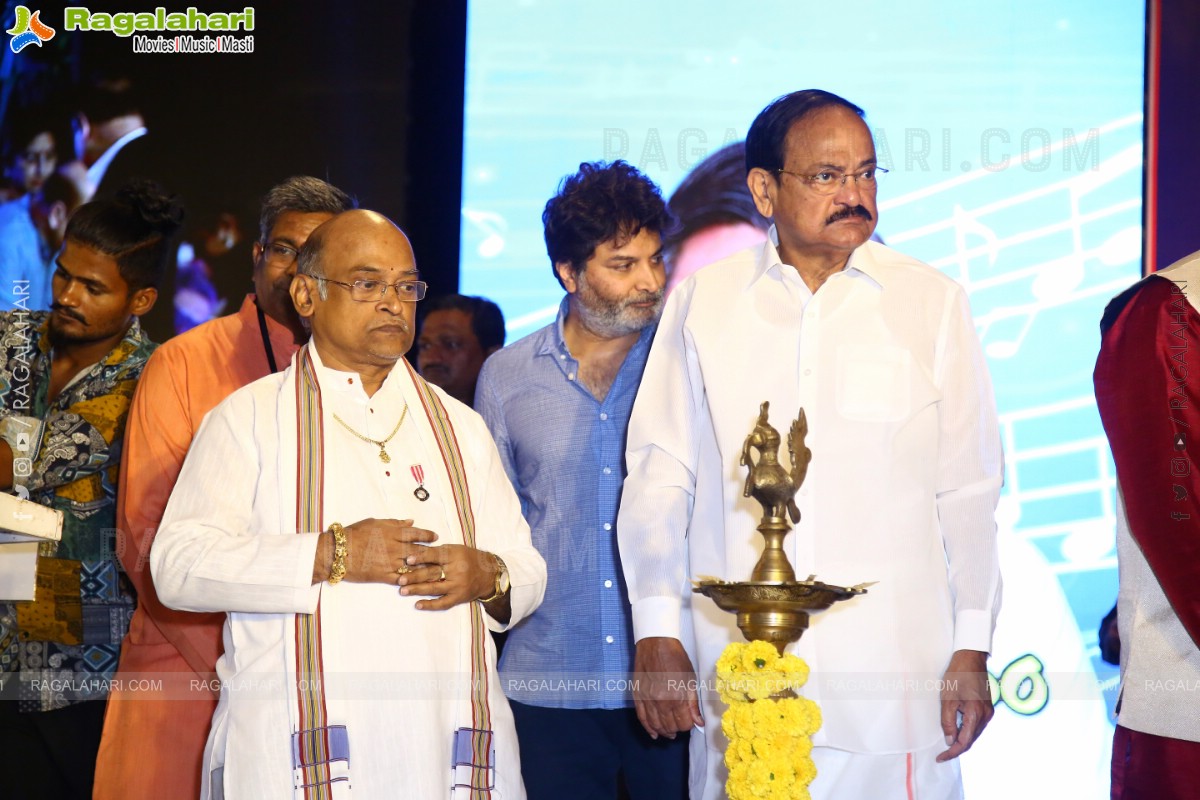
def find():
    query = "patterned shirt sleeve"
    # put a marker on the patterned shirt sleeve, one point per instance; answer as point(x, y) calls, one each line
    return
point(82, 428)
point(78, 441)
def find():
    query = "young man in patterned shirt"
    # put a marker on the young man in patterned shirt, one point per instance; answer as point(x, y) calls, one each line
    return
point(66, 383)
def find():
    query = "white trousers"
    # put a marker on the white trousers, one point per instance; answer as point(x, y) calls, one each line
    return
point(842, 775)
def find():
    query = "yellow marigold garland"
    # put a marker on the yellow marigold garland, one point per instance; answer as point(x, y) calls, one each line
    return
point(770, 753)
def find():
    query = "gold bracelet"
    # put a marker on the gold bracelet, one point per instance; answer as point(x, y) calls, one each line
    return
point(501, 587)
point(337, 570)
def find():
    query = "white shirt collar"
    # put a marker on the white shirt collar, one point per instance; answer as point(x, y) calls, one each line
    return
point(349, 383)
point(862, 260)
point(96, 171)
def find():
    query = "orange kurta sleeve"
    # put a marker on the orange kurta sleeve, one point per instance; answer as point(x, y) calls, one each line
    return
point(158, 435)
point(154, 740)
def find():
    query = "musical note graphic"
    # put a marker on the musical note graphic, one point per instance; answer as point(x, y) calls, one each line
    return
point(1016, 273)
point(1030, 285)
point(493, 227)
point(968, 225)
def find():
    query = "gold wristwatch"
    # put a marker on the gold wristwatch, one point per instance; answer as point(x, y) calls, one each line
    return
point(503, 584)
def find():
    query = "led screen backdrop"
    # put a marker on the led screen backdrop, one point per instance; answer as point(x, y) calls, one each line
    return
point(1014, 140)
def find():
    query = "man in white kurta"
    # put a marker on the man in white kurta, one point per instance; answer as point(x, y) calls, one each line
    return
point(395, 667)
point(881, 353)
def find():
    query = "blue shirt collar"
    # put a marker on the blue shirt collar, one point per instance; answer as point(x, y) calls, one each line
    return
point(553, 342)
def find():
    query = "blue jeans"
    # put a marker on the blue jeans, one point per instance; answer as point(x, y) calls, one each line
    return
point(585, 754)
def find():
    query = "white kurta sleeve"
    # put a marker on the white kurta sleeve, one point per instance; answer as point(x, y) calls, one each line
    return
point(662, 453)
point(207, 556)
point(501, 529)
point(969, 477)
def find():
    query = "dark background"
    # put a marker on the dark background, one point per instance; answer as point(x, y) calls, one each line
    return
point(369, 98)
point(1178, 173)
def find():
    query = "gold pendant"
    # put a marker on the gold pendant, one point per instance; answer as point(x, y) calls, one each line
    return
point(384, 457)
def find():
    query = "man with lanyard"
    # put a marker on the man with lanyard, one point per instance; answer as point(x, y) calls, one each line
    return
point(183, 381)
point(357, 658)
point(881, 353)
point(557, 403)
point(66, 380)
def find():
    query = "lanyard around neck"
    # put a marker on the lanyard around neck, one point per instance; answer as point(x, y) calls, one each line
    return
point(266, 339)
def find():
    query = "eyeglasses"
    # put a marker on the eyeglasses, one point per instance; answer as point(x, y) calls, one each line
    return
point(828, 181)
point(279, 252)
point(374, 291)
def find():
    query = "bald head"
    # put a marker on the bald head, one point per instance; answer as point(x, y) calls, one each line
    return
point(339, 289)
point(345, 227)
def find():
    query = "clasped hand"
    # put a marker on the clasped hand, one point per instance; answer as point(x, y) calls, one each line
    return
point(394, 552)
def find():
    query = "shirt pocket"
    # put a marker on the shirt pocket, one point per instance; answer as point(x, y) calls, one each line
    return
point(874, 382)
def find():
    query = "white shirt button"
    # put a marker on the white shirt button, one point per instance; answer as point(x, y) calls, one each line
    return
point(608, 584)
point(607, 526)
point(808, 372)
point(562, 356)
point(607, 471)
point(608, 639)
point(571, 376)
point(603, 415)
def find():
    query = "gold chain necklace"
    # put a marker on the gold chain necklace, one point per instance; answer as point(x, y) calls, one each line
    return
point(383, 454)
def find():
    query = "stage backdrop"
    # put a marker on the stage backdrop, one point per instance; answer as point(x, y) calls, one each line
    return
point(1014, 138)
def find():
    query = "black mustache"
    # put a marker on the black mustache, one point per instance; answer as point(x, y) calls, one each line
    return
point(66, 312)
point(857, 211)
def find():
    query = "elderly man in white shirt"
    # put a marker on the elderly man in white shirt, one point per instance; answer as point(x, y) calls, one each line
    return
point(356, 657)
point(881, 353)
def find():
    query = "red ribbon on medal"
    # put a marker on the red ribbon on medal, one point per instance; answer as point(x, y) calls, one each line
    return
point(418, 473)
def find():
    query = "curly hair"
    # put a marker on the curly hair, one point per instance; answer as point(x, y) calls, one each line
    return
point(136, 228)
point(602, 202)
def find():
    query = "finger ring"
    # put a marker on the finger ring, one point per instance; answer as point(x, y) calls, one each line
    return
point(442, 570)
point(403, 569)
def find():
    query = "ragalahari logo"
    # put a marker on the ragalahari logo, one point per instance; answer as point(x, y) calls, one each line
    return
point(28, 29)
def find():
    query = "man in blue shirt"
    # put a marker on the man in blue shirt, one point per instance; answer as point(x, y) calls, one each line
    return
point(31, 232)
point(558, 404)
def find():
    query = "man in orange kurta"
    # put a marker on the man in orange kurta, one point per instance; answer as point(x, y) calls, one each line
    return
point(165, 689)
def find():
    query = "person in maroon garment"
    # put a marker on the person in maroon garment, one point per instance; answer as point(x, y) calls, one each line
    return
point(1147, 389)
